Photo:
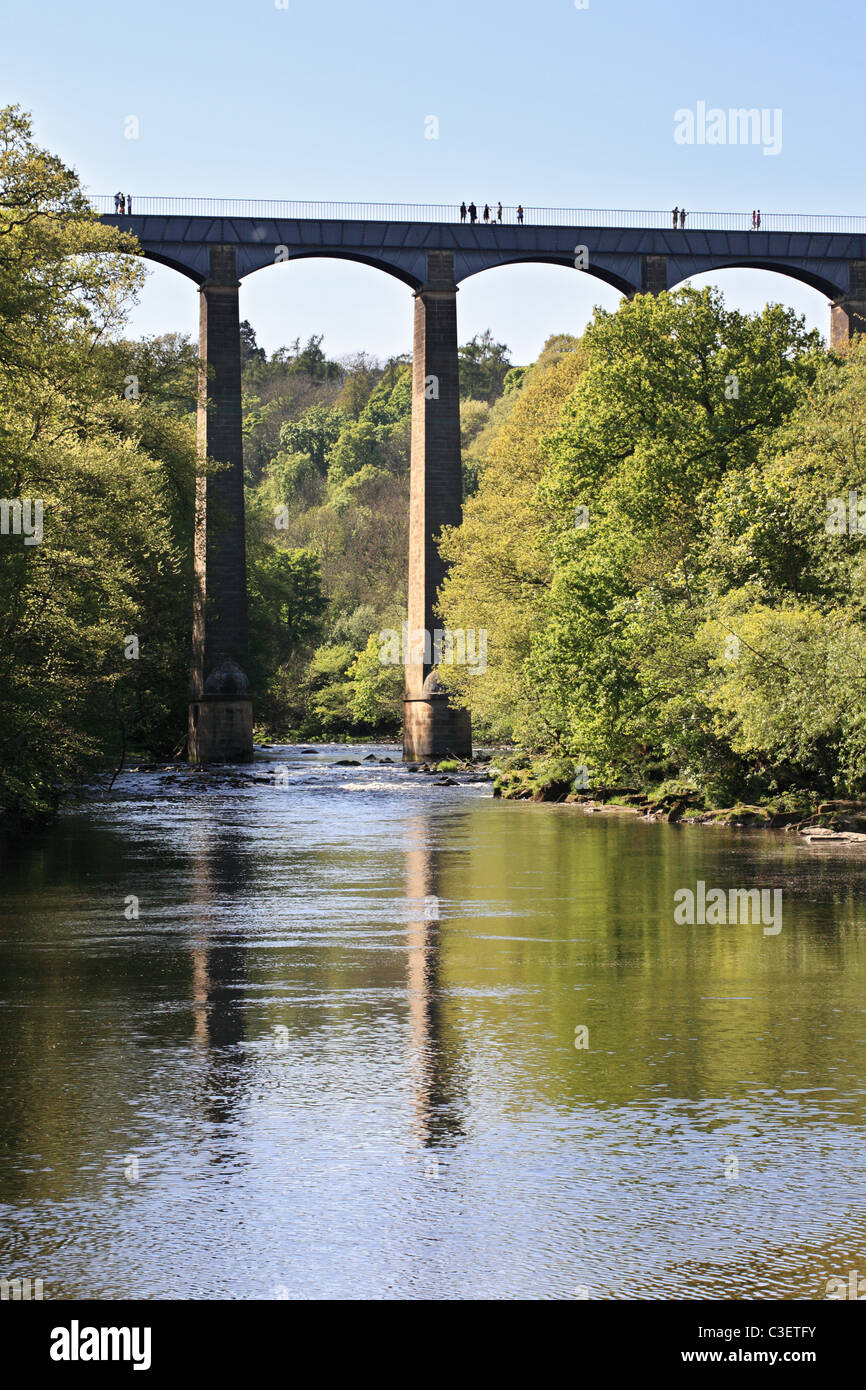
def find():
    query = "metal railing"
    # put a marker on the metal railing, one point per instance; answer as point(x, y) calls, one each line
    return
point(446, 212)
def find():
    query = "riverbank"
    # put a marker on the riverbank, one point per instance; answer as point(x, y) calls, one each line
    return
point(556, 780)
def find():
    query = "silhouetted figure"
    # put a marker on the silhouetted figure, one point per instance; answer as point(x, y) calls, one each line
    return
point(463, 212)
point(116, 204)
point(129, 204)
point(473, 213)
point(520, 213)
point(486, 213)
point(122, 205)
point(682, 219)
point(499, 212)
point(758, 220)
point(675, 214)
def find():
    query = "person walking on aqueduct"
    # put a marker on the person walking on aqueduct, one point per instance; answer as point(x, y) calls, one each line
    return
point(675, 214)
point(463, 212)
point(520, 213)
point(473, 213)
point(499, 212)
point(682, 219)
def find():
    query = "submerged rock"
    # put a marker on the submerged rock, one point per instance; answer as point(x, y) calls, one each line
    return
point(820, 835)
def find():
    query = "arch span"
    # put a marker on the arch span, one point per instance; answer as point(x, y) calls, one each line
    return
point(344, 300)
point(524, 303)
point(599, 272)
point(805, 274)
point(396, 272)
point(159, 258)
point(749, 288)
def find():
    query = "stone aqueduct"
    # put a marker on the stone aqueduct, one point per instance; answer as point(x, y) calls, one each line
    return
point(431, 251)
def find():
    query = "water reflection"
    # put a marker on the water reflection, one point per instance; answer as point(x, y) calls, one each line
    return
point(425, 955)
point(435, 1090)
point(220, 874)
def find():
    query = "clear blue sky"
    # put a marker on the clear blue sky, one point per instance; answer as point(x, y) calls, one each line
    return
point(537, 102)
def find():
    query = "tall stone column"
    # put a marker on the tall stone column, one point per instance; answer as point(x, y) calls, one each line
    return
point(220, 711)
point(848, 314)
point(432, 726)
point(654, 274)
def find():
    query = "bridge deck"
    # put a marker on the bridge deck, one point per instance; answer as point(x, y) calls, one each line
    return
point(282, 210)
point(616, 254)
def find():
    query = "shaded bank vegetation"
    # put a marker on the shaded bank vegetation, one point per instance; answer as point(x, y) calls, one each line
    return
point(113, 477)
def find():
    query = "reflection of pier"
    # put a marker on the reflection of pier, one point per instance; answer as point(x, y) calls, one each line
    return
point(434, 1087)
point(218, 969)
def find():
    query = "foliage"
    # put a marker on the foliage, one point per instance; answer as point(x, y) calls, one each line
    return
point(114, 476)
point(500, 571)
point(659, 510)
point(484, 366)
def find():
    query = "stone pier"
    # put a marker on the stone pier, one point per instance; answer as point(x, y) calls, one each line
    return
point(654, 274)
point(432, 726)
point(220, 711)
point(848, 314)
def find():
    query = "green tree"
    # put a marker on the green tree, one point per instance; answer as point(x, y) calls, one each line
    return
point(286, 607)
point(484, 365)
point(377, 689)
point(500, 567)
point(112, 475)
point(250, 350)
point(678, 393)
point(314, 434)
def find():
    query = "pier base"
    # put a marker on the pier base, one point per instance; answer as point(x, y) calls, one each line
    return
point(434, 729)
point(220, 730)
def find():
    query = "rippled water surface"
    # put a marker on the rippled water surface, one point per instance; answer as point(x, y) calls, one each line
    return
point(334, 1055)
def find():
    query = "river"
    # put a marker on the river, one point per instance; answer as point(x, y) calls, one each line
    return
point(340, 1049)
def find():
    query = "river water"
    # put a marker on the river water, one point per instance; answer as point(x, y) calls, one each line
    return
point(339, 1052)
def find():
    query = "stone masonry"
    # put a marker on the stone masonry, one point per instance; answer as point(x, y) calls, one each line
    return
point(432, 727)
point(220, 712)
point(848, 315)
